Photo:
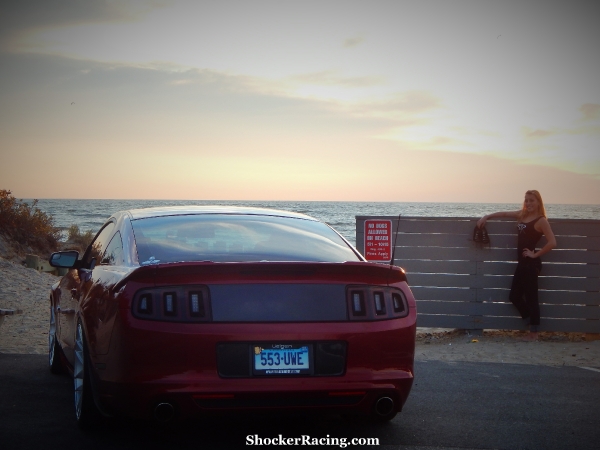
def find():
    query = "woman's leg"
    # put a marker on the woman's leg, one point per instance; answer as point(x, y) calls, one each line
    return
point(530, 277)
point(517, 291)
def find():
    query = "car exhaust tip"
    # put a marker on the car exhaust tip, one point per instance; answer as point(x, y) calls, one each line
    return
point(384, 406)
point(164, 412)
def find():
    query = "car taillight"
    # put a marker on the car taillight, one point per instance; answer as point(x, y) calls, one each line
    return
point(170, 305)
point(145, 304)
point(173, 304)
point(376, 303)
point(379, 300)
point(399, 302)
point(196, 304)
point(358, 303)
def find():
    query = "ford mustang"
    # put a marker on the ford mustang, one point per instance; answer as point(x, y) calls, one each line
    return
point(180, 312)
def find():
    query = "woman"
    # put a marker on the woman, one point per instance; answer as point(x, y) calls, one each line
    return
point(532, 224)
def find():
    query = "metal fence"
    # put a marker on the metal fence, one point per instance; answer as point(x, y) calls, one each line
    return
point(460, 285)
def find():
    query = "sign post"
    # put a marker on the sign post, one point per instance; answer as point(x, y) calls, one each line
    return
point(378, 240)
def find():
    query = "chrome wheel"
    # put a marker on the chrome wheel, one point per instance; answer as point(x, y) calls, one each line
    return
point(78, 371)
point(86, 413)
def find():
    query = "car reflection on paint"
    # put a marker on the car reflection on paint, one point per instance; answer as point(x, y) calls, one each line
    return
point(179, 312)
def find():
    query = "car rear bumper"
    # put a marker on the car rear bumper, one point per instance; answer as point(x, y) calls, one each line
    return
point(197, 399)
point(176, 365)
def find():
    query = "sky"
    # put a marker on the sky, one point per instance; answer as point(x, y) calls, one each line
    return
point(424, 101)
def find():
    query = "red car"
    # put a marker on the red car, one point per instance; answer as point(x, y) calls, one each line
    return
point(178, 312)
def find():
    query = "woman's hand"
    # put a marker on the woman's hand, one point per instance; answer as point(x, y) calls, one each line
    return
point(529, 253)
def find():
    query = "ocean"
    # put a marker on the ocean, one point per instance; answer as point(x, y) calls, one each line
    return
point(91, 214)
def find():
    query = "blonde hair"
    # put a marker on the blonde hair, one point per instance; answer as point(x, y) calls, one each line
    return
point(541, 209)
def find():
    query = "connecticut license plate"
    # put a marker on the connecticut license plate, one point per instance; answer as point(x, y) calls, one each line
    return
point(282, 359)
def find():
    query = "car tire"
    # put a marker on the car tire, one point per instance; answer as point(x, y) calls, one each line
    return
point(86, 412)
point(54, 361)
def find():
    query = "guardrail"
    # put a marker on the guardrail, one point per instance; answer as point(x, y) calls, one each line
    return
point(459, 285)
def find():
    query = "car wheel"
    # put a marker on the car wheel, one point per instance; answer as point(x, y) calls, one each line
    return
point(53, 349)
point(86, 412)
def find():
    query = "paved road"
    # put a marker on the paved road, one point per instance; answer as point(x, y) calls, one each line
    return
point(452, 405)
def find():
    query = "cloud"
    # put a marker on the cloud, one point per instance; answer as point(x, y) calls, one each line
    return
point(353, 42)
point(572, 147)
point(590, 111)
point(535, 134)
point(430, 127)
point(193, 109)
point(22, 16)
point(331, 78)
point(398, 110)
point(401, 110)
point(406, 102)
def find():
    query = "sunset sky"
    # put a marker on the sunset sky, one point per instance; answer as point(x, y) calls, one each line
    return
point(442, 101)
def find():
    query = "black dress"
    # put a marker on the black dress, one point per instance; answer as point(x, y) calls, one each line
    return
point(524, 289)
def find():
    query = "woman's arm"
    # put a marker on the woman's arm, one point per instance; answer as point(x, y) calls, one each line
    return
point(545, 228)
point(514, 214)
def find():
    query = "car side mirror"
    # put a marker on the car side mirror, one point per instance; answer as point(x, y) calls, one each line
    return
point(66, 259)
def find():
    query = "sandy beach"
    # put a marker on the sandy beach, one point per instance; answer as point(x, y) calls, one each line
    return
point(28, 290)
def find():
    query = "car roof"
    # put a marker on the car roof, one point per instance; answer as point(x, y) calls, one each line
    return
point(162, 211)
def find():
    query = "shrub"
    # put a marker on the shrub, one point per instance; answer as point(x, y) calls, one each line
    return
point(26, 224)
point(78, 240)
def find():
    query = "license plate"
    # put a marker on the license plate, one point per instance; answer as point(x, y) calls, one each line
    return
point(282, 359)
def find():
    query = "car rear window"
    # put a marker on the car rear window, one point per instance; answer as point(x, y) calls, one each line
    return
point(237, 238)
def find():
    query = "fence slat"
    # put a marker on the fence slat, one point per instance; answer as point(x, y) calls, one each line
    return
point(570, 312)
point(566, 325)
point(440, 321)
point(496, 241)
point(455, 254)
point(501, 295)
point(450, 308)
point(548, 269)
point(420, 266)
point(449, 294)
point(493, 254)
point(505, 310)
point(434, 240)
point(575, 227)
point(496, 268)
point(507, 323)
point(552, 297)
point(502, 282)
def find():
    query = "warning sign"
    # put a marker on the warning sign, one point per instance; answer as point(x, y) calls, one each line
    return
point(378, 240)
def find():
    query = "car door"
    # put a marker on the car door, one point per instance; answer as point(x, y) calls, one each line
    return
point(101, 306)
point(76, 286)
